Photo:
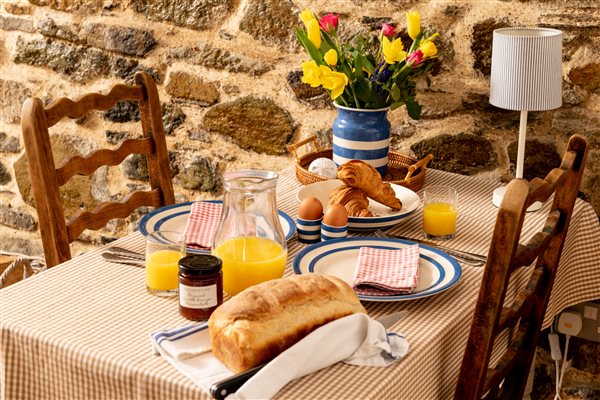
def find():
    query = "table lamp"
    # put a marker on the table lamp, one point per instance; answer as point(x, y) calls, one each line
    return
point(526, 76)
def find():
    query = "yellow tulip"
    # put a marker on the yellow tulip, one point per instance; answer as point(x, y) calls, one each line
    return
point(428, 48)
point(334, 81)
point(311, 73)
point(306, 16)
point(393, 51)
point(331, 57)
point(413, 24)
point(314, 32)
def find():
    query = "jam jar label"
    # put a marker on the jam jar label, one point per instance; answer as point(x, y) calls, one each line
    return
point(198, 297)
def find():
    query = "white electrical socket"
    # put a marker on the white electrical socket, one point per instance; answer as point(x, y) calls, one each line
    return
point(590, 312)
point(569, 323)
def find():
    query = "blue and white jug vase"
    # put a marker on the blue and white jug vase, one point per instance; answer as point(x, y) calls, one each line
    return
point(362, 135)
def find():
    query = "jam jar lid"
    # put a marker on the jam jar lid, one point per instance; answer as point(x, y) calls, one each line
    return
point(199, 264)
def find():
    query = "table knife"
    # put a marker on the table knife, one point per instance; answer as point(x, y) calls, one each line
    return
point(220, 390)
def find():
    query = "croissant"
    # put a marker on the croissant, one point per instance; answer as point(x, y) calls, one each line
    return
point(361, 175)
point(354, 199)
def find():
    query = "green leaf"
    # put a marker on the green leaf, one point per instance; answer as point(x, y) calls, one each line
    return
point(314, 53)
point(396, 105)
point(395, 92)
point(414, 109)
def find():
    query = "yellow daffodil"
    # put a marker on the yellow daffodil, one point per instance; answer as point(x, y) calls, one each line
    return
point(311, 73)
point(413, 24)
point(393, 51)
point(331, 57)
point(334, 81)
point(428, 48)
point(313, 30)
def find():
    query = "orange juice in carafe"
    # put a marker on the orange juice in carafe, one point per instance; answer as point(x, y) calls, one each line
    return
point(248, 261)
point(249, 238)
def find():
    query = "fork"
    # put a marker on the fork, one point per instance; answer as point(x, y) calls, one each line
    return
point(474, 260)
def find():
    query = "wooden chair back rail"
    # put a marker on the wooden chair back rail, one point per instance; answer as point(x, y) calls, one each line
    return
point(78, 165)
point(65, 107)
point(524, 316)
point(98, 217)
point(521, 305)
point(56, 233)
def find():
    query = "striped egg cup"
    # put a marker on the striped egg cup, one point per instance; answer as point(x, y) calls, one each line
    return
point(333, 232)
point(308, 230)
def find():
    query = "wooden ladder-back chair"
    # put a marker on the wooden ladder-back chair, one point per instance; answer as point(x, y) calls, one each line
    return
point(524, 317)
point(46, 179)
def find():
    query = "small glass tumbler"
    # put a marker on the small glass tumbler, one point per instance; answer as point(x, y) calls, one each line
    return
point(163, 251)
point(439, 212)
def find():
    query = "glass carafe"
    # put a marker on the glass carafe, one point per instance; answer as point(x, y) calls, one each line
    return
point(249, 238)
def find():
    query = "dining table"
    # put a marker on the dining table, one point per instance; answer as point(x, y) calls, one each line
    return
point(81, 330)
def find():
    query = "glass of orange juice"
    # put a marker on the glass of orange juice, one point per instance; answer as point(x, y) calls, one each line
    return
point(439, 212)
point(163, 251)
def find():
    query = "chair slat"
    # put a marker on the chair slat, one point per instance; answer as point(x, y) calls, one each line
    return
point(87, 165)
point(65, 107)
point(97, 218)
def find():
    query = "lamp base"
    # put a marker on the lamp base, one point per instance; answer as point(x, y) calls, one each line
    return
point(499, 195)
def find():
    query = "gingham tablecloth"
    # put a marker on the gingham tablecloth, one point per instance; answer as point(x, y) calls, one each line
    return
point(81, 330)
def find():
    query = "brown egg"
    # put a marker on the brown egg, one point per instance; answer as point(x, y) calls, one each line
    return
point(310, 209)
point(336, 215)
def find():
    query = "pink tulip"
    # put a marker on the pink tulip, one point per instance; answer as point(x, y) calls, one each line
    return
point(387, 30)
point(329, 22)
point(414, 58)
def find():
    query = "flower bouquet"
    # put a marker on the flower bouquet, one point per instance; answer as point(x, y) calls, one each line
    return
point(371, 72)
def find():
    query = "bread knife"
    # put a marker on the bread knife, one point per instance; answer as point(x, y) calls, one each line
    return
point(220, 390)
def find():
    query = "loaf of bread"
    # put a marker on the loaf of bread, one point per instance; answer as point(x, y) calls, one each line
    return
point(262, 321)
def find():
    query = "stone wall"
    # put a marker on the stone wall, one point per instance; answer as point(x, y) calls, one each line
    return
point(228, 77)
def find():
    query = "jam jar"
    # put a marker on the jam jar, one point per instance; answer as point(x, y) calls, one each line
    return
point(200, 286)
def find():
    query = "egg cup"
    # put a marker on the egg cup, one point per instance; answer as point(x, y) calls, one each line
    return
point(333, 232)
point(308, 230)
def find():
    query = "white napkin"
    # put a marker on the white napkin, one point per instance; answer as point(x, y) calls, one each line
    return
point(355, 339)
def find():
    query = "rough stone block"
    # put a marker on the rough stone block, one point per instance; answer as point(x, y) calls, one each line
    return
point(481, 44)
point(197, 173)
point(17, 219)
point(4, 174)
point(191, 87)
point(315, 97)
point(11, 23)
point(124, 40)
point(214, 57)
point(254, 124)
point(540, 158)
point(70, 33)
point(9, 144)
point(577, 120)
point(115, 137)
point(77, 63)
point(83, 6)
point(172, 116)
point(135, 167)
point(271, 22)
point(17, 8)
point(123, 111)
point(584, 68)
point(464, 153)
point(12, 96)
point(195, 14)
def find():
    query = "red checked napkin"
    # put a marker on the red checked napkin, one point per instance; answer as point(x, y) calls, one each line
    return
point(383, 272)
point(202, 224)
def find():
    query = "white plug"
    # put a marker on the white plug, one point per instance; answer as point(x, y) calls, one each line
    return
point(554, 346)
point(569, 323)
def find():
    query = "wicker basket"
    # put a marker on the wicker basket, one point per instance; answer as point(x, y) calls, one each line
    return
point(402, 170)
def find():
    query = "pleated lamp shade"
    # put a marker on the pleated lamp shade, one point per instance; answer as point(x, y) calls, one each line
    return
point(526, 69)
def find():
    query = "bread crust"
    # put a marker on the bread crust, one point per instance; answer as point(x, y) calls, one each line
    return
point(262, 321)
point(359, 174)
